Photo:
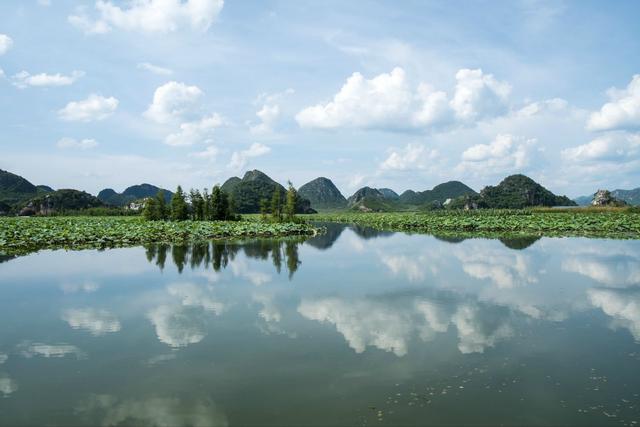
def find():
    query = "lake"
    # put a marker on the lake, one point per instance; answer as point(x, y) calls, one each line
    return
point(354, 327)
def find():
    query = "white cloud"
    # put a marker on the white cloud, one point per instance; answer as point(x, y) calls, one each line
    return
point(478, 95)
point(150, 16)
point(209, 153)
point(505, 269)
point(553, 105)
point(24, 80)
point(195, 132)
point(413, 156)
point(155, 69)
point(95, 107)
point(475, 333)
point(192, 295)
point(172, 101)
point(44, 2)
point(621, 112)
point(388, 101)
point(96, 322)
point(268, 116)
point(239, 159)
point(506, 153)
point(5, 43)
point(608, 148)
point(83, 144)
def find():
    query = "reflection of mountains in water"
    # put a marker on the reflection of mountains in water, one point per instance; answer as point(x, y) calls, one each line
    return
point(517, 243)
point(218, 255)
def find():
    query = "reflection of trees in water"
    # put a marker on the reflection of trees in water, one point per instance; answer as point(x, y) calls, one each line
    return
point(450, 239)
point(522, 242)
point(370, 233)
point(325, 240)
point(218, 255)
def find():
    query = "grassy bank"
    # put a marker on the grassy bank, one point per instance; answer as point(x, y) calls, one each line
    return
point(595, 223)
point(19, 235)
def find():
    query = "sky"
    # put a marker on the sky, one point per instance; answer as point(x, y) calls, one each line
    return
point(404, 95)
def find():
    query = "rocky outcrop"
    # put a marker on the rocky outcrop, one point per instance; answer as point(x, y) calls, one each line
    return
point(605, 198)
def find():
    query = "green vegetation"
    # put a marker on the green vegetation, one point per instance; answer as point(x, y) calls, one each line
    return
point(23, 234)
point(322, 194)
point(131, 194)
point(61, 201)
point(622, 223)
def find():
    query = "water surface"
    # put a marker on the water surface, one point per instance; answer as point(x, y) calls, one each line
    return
point(355, 327)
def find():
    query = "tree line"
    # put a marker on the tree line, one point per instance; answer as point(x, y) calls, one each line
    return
point(201, 206)
point(279, 210)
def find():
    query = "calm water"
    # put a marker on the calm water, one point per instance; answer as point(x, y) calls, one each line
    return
point(355, 327)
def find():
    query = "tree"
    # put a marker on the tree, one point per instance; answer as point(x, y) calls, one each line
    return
point(197, 205)
point(161, 206)
point(179, 210)
point(264, 209)
point(290, 207)
point(206, 199)
point(276, 206)
point(150, 210)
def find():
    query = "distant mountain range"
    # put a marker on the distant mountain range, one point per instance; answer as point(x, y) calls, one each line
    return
point(632, 197)
point(133, 193)
point(515, 191)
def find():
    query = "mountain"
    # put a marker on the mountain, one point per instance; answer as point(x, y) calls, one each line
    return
point(322, 194)
point(632, 197)
point(61, 200)
point(14, 189)
point(440, 193)
point(583, 200)
point(256, 186)
point(388, 193)
point(135, 192)
point(518, 191)
point(44, 189)
point(369, 199)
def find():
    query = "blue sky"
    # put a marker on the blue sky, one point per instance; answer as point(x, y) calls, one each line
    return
point(388, 94)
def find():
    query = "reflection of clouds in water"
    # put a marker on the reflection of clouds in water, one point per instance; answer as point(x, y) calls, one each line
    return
point(29, 349)
point(178, 326)
point(610, 268)
point(156, 411)
point(411, 266)
point(7, 385)
point(269, 311)
point(505, 269)
point(194, 295)
point(97, 322)
point(477, 331)
point(390, 325)
point(240, 268)
point(87, 287)
point(3, 358)
point(356, 243)
point(622, 305)
point(156, 360)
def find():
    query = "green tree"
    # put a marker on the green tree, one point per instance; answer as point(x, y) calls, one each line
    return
point(290, 206)
point(264, 209)
point(276, 206)
point(179, 209)
point(161, 206)
point(206, 200)
point(150, 210)
point(197, 205)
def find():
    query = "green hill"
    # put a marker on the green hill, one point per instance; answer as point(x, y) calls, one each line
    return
point(60, 201)
point(632, 197)
point(135, 192)
point(369, 199)
point(388, 193)
point(322, 194)
point(14, 189)
point(256, 186)
point(440, 193)
point(515, 192)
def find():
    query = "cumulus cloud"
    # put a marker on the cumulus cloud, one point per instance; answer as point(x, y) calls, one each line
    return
point(195, 132)
point(5, 43)
point(172, 101)
point(506, 153)
point(388, 101)
point(24, 79)
point(553, 105)
point(478, 95)
point(268, 116)
point(95, 107)
point(239, 159)
point(149, 16)
point(209, 153)
point(96, 322)
point(502, 268)
point(155, 69)
point(621, 112)
point(82, 144)
point(609, 148)
point(412, 156)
